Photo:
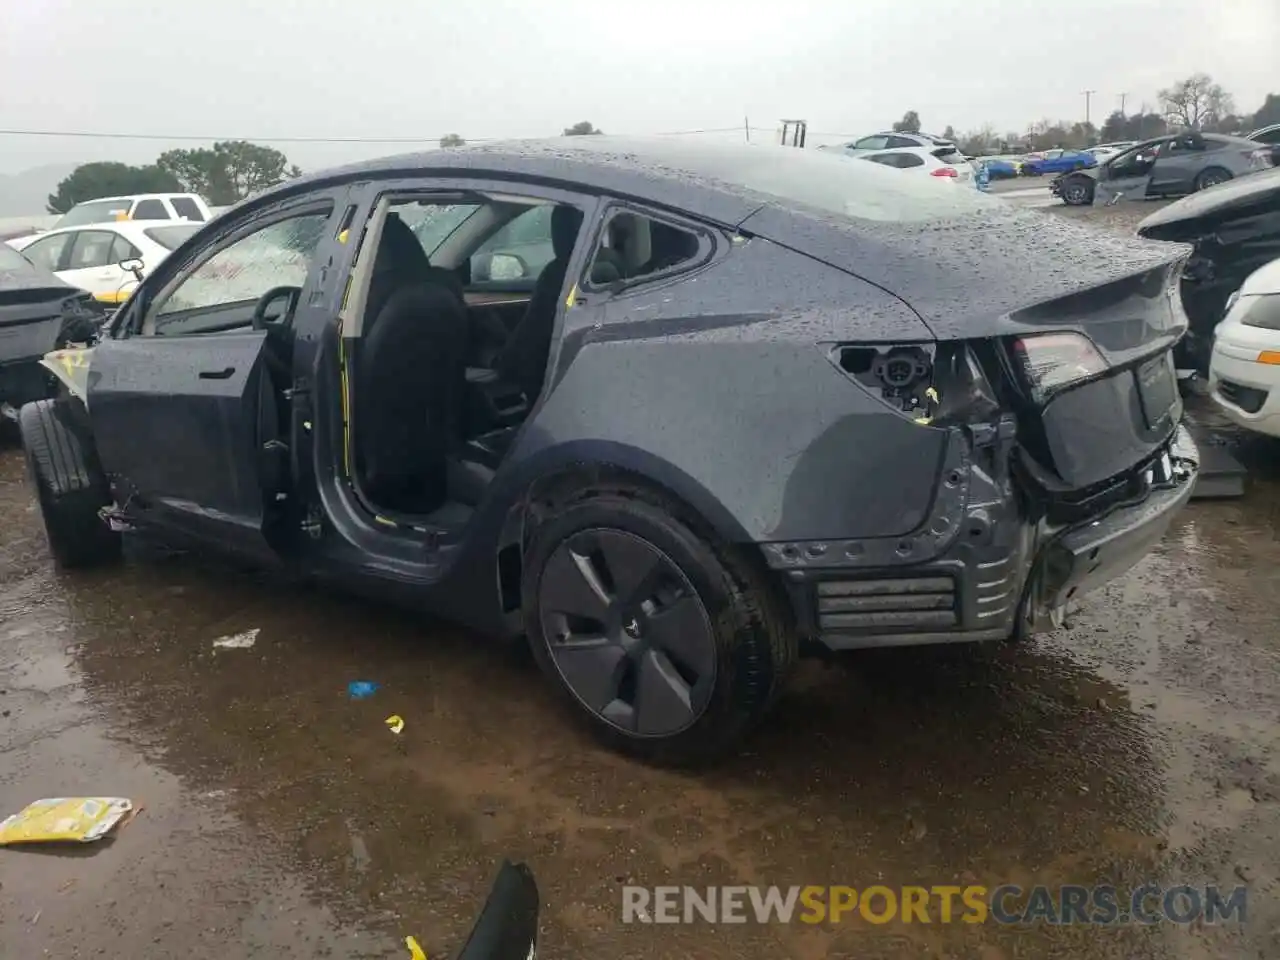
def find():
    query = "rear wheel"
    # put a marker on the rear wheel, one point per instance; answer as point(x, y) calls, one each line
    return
point(668, 643)
point(1211, 178)
point(68, 483)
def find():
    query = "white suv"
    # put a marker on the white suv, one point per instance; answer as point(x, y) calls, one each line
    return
point(141, 206)
point(895, 141)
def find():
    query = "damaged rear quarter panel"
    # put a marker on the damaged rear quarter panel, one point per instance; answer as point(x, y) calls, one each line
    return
point(719, 387)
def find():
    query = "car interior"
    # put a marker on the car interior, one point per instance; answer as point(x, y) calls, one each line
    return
point(451, 358)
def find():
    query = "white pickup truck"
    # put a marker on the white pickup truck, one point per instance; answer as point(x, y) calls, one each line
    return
point(141, 206)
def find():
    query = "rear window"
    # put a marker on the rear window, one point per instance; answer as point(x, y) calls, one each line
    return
point(93, 211)
point(835, 184)
point(949, 155)
point(170, 237)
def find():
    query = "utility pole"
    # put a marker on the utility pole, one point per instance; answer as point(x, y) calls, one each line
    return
point(1088, 96)
point(746, 127)
point(1123, 96)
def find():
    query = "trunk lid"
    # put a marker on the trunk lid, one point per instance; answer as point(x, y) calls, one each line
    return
point(1001, 273)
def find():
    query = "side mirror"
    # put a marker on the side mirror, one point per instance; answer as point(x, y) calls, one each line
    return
point(134, 266)
point(507, 266)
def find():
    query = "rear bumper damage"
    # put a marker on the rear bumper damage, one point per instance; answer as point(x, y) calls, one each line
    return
point(1000, 572)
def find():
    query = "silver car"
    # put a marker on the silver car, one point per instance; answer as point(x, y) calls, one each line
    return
point(1166, 166)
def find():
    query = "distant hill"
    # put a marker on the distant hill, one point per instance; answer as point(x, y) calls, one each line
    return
point(24, 194)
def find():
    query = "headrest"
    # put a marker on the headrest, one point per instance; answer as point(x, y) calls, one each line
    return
point(399, 248)
point(565, 222)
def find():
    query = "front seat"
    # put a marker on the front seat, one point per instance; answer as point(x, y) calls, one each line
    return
point(411, 377)
point(523, 360)
point(400, 261)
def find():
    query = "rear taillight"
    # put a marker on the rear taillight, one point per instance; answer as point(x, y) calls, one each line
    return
point(1051, 361)
point(944, 172)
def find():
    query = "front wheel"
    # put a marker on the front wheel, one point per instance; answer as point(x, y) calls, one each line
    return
point(1076, 193)
point(68, 483)
point(669, 644)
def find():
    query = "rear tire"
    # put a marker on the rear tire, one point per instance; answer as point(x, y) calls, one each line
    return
point(1211, 178)
point(69, 484)
point(724, 606)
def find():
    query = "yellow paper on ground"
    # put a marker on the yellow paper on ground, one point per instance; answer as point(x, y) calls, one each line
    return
point(64, 819)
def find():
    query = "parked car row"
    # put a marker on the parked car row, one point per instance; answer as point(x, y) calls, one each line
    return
point(105, 258)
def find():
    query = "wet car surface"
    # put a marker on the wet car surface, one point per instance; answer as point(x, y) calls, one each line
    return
point(282, 818)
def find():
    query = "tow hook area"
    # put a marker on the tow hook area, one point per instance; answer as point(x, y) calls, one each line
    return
point(114, 519)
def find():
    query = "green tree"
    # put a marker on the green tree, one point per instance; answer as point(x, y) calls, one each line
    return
point(581, 129)
point(452, 140)
point(1115, 127)
point(93, 180)
point(910, 123)
point(228, 171)
point(1269, 113)
point(1196, 102)
point(196, 170)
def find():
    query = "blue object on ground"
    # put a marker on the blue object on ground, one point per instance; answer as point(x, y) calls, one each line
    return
point(359, 689)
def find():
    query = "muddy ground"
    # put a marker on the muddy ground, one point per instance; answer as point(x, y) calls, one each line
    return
point(282, 819)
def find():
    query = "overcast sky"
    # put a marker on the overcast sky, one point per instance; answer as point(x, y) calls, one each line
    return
point(496, 68)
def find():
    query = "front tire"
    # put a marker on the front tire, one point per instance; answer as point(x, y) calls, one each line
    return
point(1076, 193)
point(68, 483)
point(669, 644)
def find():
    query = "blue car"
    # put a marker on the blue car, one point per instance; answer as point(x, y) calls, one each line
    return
point(1058, 161)
point(1002, 167)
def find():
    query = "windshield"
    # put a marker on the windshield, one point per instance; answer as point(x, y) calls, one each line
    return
point(93, 211)
point(171, 237)
point(433, 224)
point(836, 184)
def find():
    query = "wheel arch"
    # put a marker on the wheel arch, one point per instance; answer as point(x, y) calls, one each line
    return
point(556, 476)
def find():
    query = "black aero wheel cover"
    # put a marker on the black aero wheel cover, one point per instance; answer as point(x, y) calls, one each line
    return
point(627, 632)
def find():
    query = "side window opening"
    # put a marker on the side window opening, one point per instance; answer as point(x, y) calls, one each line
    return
point(634, 247)
point(435, 393)
point(47, 252)
point(150, 210)
point(122, 249)
point(187, 208)
point(92, 248)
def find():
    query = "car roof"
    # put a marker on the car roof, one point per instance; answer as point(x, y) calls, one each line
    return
point(673, 172)
point(659, 170)
point(1242, 190)
point(918, 151)
point(126, 227)
point(138, 196)
point(1266, 279)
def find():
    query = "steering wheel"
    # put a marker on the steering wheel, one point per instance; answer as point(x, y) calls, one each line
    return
point(270, 297)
